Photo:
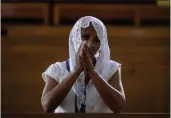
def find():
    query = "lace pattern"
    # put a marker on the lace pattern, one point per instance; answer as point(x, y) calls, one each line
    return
point(103, 63)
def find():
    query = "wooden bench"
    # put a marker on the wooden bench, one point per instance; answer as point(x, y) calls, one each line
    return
point(25, 10)
point(98, 115)
point(135, 12)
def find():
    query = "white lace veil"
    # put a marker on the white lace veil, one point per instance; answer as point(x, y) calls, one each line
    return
point(102, 56)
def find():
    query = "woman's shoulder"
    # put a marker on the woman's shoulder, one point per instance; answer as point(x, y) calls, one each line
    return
point(115, 63)
point(114, 66)
point(60, 64)
point(55, 70)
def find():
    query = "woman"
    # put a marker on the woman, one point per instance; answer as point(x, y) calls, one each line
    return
point(88, 81)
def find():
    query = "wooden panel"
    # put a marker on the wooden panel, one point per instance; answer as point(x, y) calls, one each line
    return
point(101, 11)
point(25, 10)
point(135, 12)
point(155, 13)
point(113, 32)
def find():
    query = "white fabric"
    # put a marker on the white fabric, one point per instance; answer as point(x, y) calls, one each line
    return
point(103, 65)
point(103, 58)
point(58, 71)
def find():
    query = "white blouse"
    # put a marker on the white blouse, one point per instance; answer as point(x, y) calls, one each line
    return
point(58, 71)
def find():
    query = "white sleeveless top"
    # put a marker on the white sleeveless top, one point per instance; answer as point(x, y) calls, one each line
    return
point(58, 71)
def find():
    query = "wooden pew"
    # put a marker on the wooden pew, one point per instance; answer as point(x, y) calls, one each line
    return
point(100, 115)
point(25, 10)
point(134, 12)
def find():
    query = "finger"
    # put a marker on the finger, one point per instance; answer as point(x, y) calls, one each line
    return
point(87, 62)
point(86, 48)
point(87, 55)
point(86, 66)
point(81, 46)
point(84, 57)
point(88, 51)
point(83, 62)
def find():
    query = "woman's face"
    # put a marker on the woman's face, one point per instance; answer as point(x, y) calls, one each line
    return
point(89, 35)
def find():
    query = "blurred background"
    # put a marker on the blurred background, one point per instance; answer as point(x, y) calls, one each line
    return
point(35, 34)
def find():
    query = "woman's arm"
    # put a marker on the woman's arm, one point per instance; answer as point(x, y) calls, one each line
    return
point(54, 93)
point(111, 92)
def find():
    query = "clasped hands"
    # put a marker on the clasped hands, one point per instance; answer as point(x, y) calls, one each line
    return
point(84, 59)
